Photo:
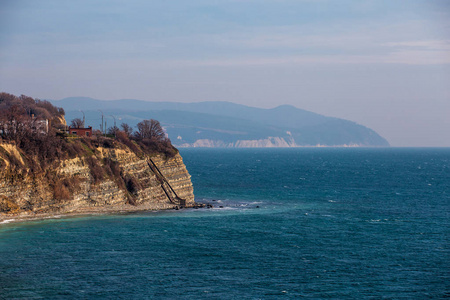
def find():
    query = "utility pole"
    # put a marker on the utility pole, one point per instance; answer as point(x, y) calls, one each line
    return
point(101, 126)
point(84, 119)
point(115, 128)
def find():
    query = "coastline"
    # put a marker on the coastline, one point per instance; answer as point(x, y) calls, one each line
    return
point(105, 197)
point(122, 209)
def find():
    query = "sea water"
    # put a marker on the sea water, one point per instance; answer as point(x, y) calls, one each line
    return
point(286, 223)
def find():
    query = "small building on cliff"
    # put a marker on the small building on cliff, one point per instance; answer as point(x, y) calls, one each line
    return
point(81, 131)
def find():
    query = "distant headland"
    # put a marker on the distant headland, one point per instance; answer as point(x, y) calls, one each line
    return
point(230, 125)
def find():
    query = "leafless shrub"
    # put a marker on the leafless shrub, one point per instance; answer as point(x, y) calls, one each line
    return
point(60, 191)
point(122, 137)
point(133, 185)
point(113, 166)
point(95, 169)
point(112, 169)
point(76, 123)
point(112, 131)
point(127, 129)
point(158, 146)
point(87, 142)
point(72, 184)
point(107, 143)
point(50, 108)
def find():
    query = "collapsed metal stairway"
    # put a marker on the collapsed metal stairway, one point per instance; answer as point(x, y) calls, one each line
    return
point(165, 185)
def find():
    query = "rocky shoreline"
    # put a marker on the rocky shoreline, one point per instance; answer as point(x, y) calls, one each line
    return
point(116, 210)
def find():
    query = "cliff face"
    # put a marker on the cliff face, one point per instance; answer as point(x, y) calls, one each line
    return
point(72, 187)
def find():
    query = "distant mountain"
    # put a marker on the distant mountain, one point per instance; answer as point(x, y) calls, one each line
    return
point(226, 124)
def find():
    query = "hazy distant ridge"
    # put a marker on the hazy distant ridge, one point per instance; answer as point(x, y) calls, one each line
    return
point(226, 124)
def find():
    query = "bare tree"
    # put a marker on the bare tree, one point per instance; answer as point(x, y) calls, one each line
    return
point(127, 129)
point(14, 123)
point(76, 123)
point(150, 129)
point(113, 130)
point(39, 108)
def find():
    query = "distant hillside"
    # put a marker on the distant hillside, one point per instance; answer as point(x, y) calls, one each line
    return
point(225, 124)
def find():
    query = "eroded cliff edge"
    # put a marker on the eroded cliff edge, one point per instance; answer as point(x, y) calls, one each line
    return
point(101, 179)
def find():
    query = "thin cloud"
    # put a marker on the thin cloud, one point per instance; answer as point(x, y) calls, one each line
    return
point(439, 45)
point(399, 57)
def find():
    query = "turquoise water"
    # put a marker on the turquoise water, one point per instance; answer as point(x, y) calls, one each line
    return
point(287, 223)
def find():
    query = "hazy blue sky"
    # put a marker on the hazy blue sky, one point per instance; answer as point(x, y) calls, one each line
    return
point(383, 64)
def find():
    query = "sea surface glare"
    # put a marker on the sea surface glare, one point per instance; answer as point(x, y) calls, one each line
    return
point(287, 223)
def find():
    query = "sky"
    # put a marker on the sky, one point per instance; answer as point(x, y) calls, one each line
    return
point(382, 64)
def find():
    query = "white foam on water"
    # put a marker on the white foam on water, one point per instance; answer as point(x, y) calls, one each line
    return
point(7, 221)
point(53, 217)
point(374, 221)
point(225, 208)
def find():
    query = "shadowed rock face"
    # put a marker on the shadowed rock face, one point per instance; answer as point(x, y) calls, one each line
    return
point(24, 193)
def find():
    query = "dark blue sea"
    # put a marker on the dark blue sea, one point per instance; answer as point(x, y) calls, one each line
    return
point(341, 223)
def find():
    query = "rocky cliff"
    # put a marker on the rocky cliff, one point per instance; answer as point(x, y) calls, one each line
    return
point(103, 179)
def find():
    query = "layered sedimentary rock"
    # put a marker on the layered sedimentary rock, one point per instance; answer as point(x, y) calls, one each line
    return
point(71, 187)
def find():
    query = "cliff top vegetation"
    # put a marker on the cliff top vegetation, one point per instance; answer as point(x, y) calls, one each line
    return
point(39, 131)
